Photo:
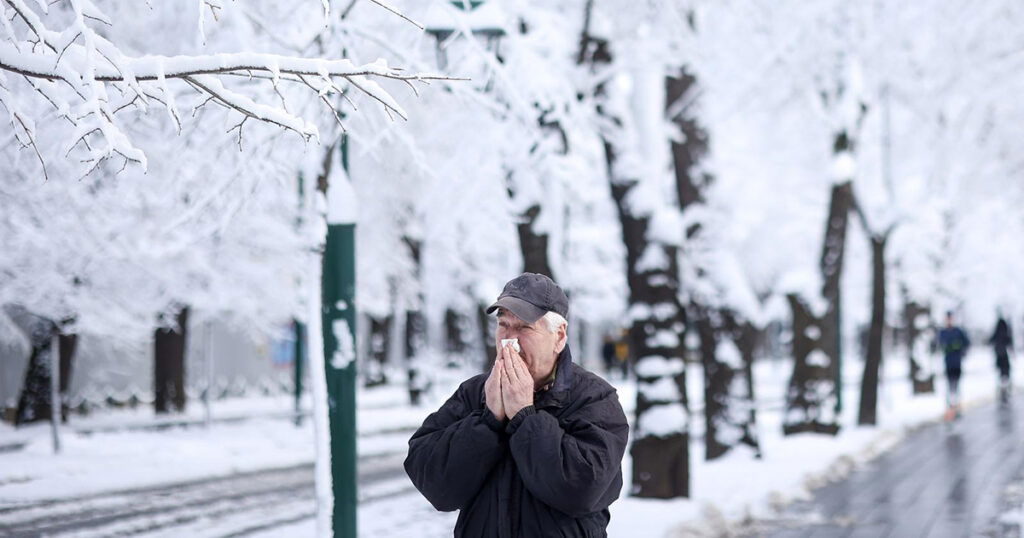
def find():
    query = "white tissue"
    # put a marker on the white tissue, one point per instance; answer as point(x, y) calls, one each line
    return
point(514, 342)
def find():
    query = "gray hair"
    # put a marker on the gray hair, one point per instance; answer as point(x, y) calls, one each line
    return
point(554, 321)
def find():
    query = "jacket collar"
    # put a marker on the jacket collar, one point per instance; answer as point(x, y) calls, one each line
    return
point(557, 395)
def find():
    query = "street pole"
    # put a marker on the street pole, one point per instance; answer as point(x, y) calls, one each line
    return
point(208, 352)
point(55, 401)
point(338, 316)
point(300, 354)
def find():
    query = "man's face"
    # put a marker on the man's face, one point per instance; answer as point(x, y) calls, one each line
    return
point(540, 347)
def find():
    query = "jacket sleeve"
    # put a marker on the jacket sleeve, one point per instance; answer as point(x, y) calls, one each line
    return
point(571, 469)
point(454, 450)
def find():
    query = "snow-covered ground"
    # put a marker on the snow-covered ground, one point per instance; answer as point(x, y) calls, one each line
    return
point(99, 455)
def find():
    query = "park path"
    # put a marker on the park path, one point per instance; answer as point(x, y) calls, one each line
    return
point(941, 481)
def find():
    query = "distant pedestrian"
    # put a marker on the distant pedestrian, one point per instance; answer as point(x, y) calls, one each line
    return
point(622, 352)
point(1002, 343)
point(954, 343)
point(608, 354)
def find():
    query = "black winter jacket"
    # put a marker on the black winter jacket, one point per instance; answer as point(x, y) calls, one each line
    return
point(552, 470)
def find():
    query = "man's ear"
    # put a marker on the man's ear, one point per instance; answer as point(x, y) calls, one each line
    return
point(560, 342)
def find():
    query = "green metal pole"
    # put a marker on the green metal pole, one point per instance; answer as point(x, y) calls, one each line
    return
point(339, 318)
point(300, 357)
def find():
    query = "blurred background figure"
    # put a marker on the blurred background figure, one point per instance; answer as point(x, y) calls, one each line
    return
point(954, 343)
point(608, 354)
point(1002, 342)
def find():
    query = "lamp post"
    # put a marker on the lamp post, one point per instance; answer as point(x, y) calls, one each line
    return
point(479, 23)
point(338, 315)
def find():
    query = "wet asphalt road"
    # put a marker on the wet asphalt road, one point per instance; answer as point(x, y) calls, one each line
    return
point(942, 481)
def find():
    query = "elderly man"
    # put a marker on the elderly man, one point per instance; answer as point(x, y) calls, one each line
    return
point(534, 447)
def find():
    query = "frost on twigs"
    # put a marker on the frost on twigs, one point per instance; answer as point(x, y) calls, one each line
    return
point(66, 57)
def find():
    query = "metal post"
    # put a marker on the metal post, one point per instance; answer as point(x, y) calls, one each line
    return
point(339, 318)
point(208, 353)
point(55, 400)
point(300, 356)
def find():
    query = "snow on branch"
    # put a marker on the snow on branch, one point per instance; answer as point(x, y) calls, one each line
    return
point(76, 68)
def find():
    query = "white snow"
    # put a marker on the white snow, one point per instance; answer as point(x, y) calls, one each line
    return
point(664, 338)
point(818, 358)
point(663, 420)
point(346, 352)
point(724, 491)
point(662, 390)
point(655, 366)
point(653, 258)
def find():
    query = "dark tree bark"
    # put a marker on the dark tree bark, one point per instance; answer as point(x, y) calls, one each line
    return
point(660, 461)
point(728, 382)
point(873, 362)
point(718, 377)
point(379, 350)
point(34, 401)
point(687, 153)
point(68, 345)
point(660, 451)
point(817, 341)
point(533, 245)
point(169, 365)
point(454, 323)
point(916, 318)
point(746, 337)
point(486, 326)
point(415, 328)
point(722, 378)
point(812, 382)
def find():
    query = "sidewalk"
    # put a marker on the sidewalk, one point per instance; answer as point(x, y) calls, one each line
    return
point(944, 480)
point(133, 448)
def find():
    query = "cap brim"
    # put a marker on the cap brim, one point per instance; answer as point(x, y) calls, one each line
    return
point(522, 309)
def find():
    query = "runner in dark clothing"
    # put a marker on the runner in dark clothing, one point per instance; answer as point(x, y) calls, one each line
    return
point(1002, 343)
point(954, 343)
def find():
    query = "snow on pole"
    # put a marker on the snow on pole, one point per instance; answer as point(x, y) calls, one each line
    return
point(55, 403)
point(321, 426)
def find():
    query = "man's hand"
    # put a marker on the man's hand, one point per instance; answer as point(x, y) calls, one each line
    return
point(492, 390)
point(516, 382)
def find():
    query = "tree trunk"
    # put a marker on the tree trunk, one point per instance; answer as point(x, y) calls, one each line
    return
point(718, 377)
point(34, 401)
point(725, 365)
point(813, 398)
point(533, 245)
point(415, 336)
point(484, 324)
point(660, 447)
point(415, 328)
point(727, 353)
point(916, 319)
point(68, 345)
point(812, 383)
point(746, 338)
point(380, 345)
point(455, 341)
point(660, 451)
point(873, 361)
point(169, 365)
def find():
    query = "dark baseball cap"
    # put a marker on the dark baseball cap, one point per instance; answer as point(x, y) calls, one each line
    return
point(531, 295)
